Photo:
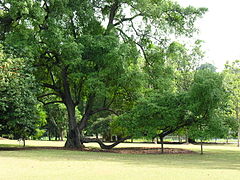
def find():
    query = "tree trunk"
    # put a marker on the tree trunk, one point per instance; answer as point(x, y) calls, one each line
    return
point(49, 135)
point(73, 137)
point(161, 140)
point(56, 135)
point(61, 135)
point(24, 142)
point(201, 147)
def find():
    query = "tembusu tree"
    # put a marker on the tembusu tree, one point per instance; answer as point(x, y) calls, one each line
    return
point(86, 52)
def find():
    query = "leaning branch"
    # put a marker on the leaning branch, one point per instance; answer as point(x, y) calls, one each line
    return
point(47, 103)
point(53, 102)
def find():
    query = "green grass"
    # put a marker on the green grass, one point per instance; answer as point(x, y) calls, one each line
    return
point(218, 163)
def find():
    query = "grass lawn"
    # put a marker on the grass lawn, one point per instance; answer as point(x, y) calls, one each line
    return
point(218, 163)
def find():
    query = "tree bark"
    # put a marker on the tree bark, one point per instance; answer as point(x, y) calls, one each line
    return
point(73, 137)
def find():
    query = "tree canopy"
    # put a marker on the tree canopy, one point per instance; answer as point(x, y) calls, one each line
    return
point(91, 54)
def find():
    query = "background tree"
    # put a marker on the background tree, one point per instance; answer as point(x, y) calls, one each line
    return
point(56, 121)
point(18, 105)
point(232, 81)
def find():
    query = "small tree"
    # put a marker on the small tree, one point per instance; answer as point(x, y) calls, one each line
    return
point(162, 114)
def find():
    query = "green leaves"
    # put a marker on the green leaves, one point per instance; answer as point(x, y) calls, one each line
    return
point(103, 54)
point(17, 98)
point(168, 112)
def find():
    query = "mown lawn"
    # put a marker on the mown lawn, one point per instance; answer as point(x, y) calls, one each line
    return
point(218, 163)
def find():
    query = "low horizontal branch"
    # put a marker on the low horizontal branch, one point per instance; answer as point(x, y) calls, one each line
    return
point(102, 145)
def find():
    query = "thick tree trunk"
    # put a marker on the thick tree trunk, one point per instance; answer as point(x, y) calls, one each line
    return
point(73, 137)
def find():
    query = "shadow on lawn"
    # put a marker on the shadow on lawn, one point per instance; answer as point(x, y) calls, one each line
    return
point(212, 159)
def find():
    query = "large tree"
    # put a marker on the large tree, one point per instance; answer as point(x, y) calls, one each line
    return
point(85, 52)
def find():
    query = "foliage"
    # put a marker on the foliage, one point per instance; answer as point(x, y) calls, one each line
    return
point(162, 114)
point(18, 105)
point(86, 53)
point(56, 119)
point(232, 83)
point(184, 62)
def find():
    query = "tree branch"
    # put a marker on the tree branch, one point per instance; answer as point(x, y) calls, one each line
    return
point(87, 112)
point(52, 102)
point(102, 145)
point(49, 94)
point(53, 87)
point(127, 19)
point(112, 14)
